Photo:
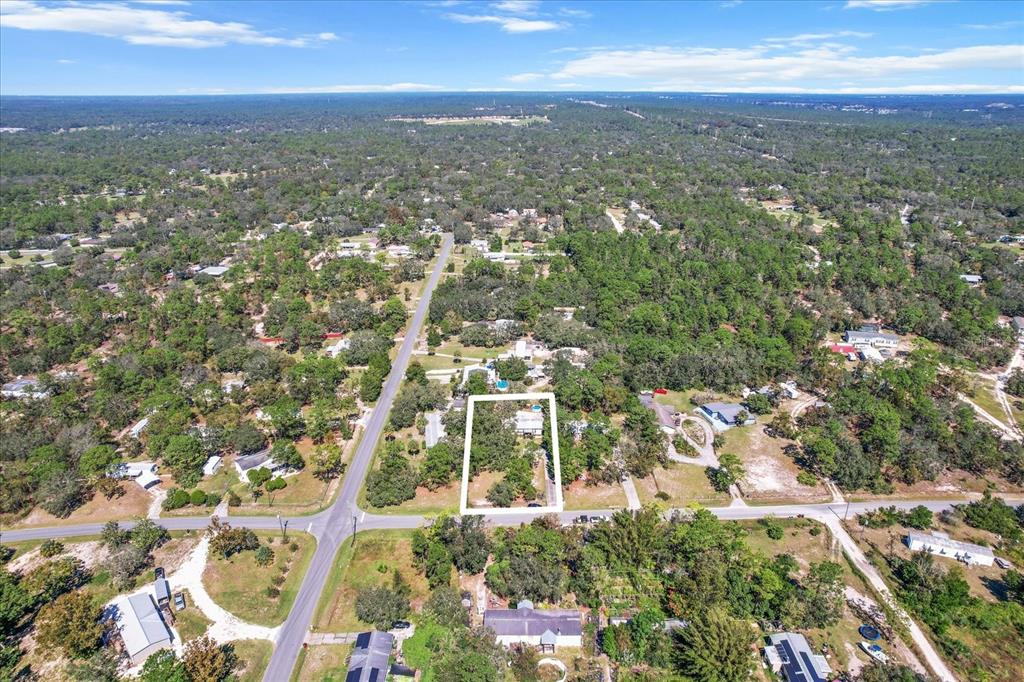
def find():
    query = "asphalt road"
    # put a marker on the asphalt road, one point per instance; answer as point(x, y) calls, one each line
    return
point(342, 516)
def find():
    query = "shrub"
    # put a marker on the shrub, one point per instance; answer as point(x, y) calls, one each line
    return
point(233, 499)
point(176, 499)
point(293, 546)
point(772, 528)
point(213, 499)
point(272, 592)
point(663, 496)
point(51, 548)
point(14, 253)
point(278, 579)
point(197, 498)
point(264, 555)
point(815, 530)
point(806, 478)
point(275, 484)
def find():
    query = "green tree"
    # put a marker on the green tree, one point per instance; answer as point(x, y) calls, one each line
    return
point(72, 623)
point(381, 606)
point(715, 648)
point(163, 666)
point(185, 457)
point(206, 661)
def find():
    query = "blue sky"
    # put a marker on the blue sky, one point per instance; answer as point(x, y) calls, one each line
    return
point(172, 47)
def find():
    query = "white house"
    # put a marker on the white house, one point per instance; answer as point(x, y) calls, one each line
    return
point(973, 280)
point(262, 459)
point(480, 244)
point(214, 270)
point(139, 626)
point(338, 347)
point(790, 656)
point(143, 473)
point(543, 628)
point(399, 251)
point(529, 423)
point(866, 336)
point(942, 545)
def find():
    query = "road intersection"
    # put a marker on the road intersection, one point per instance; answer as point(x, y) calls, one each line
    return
point(343, 518)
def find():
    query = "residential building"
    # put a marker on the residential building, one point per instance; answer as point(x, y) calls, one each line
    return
point(399, 251)
point(529, 423)
point(246, 463)
point(867, 337)
point(214, 270)
point(480, 244)
point(790, 656)
point(973, 280)
point(546, 629)
point(942, 545)
point(143, 473)
point(24, 388)
point(338, 347)
point(139, 627)
point(871, 354)
point(369, 659)
point(725, 415)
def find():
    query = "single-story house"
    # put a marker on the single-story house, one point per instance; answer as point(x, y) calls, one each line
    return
point(942, 545)
point(212, 464)
point(23, 387)
point(724, 415)
point(972, 279)
point(877, 339)
point(529, 423)
point(339, 346)
point(469, 370)
point(214, 270)
point(544, 628)
point(399, 251)
point(139, 626)
point(480, 244)
point(143, 473)
point(435, 429)
point(246, 463)
point(369, 659)
point(790, 656)
point(846, 349)
point(495, 256)
point(789, 390)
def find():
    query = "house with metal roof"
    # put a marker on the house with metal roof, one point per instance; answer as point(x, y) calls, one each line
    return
point(942, 545)
point(246, 463)
point(370, 656)
point(529, 423)
point(545, 629)
point(724, 416)
point(876, 339)
point(23, 387)
point(790, 656)
point(139, 626)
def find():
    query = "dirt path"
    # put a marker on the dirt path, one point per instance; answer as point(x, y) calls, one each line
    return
point(1008, 433)
point(632, 498)
point(619, 227)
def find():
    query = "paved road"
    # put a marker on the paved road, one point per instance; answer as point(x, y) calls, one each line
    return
point(342, 514)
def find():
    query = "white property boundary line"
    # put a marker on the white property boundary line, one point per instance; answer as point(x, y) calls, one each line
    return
point(464, 507)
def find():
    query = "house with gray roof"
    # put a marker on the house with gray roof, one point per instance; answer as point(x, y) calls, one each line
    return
point(790, 656)
point(868, 336)
point(137, 623)
point(370, 656)
point(24, 387)
point(724, 416)
point(246, 463)
point(940, 544)
point(545, 629)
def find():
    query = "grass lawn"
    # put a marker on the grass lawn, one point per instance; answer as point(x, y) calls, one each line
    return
point(134, 503)
point(985, 397)
point(417, 654)
point(468, 352)
point(431, 362)
point(323, 663)
point(370, 562)
point(579, 495)
point(771, 476)
point(253, 656)
point(684, 483)
point(238, 584)
point(425, 502)
point(304, 494)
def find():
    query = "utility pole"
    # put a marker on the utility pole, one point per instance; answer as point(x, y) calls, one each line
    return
point(284, 526)
point(354, 519)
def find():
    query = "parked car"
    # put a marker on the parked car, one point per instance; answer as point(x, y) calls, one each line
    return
point(582, 518)
point(159, 572)
point(179, 601)
point(875, 652)
point(1003, 563)
point(534, 504)
point(401, 625)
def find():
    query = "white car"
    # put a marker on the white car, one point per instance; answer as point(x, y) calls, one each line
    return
point(1003, 563)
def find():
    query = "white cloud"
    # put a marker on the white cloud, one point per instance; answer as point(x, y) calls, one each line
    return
point(886, 5)
point(815, 37)
point(727, 4)
point(829, 68)
point(142, 25)
point(524, 77)
point(66, 61)
point(508, 24)
point(998, 26)
point(574, 12)
point(517, 6)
